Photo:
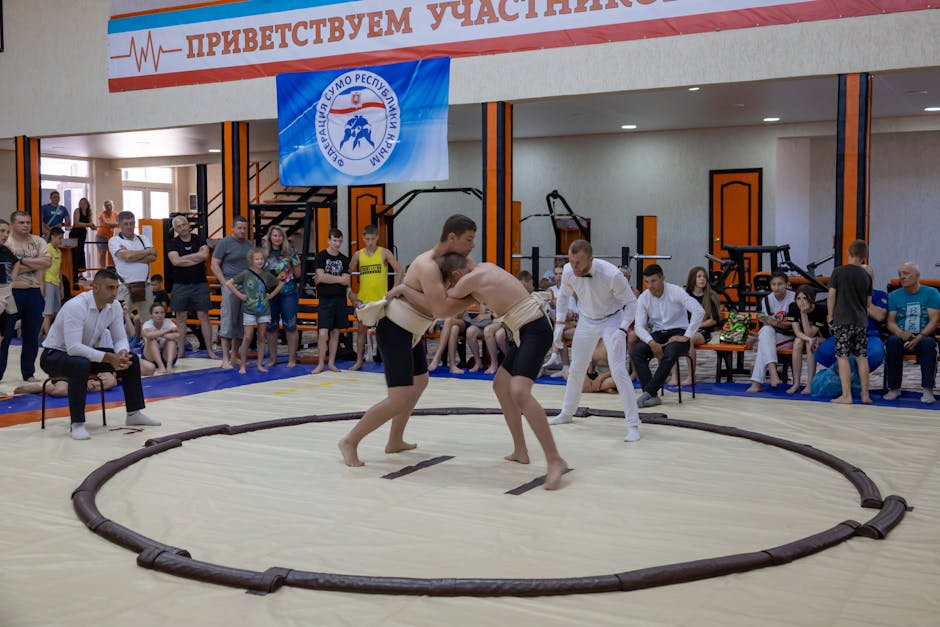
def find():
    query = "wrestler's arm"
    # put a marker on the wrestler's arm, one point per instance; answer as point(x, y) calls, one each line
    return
point(451, 307)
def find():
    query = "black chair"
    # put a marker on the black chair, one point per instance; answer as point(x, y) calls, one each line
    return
point(91, 377)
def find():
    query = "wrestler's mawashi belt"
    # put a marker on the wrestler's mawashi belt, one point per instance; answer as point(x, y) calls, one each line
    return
point(521, 314)
point(410, 319)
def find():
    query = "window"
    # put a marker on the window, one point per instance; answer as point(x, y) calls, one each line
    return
point(70, 177)
point(148, 192)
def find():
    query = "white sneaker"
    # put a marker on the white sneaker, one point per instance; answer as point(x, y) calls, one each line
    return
point(79, 432)
point(927, 397)
point(139, 418)
point(633, 434)
point(561, 419)
point(892, 395)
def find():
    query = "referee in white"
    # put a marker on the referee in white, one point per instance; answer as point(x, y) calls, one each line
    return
point(607, 307)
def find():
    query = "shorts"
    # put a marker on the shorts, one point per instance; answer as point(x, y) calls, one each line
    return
point(850, 340)
point(230, 320)
point(284, 310)
point(535, 340)
point(706, 333)
point(332, 313)
point(250, 320)
point(189, 297)
point(402, 361)
point(53, 299)
point(478, 322)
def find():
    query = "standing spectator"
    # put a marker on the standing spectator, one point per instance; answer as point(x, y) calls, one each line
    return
point(33, 253)
point(913, 319)
point(877, 315)
point(81, 222)
point(229, 258)
point(776, 332)
point(254, 287)
point(9, 268)
point(848, 302)
point(52, 292)
point(332, 268)
point(666, 320)
point(53, 214)
point(133, 254)
point(372, 262)
point(607, 308)
point(283, 262)
point(107, 222)
point(808, 319)
point(187, 253)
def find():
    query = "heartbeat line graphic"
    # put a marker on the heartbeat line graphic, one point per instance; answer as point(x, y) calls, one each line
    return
point(141, 56)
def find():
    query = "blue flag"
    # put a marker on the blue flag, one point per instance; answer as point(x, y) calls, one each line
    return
point(363, 126)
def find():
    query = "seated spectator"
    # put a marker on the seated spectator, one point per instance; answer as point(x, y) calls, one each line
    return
point(160, 338)
point(599, 378)
point(159, 294)
point(913, 320)
point(60, 389)
point(451, 328)
point(698, 287)
point(776, 332)
point(476, 326)
point(666, 319)
point(808, 319)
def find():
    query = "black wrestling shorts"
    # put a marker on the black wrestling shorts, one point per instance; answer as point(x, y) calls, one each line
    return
point(535, 340)
point(402, 362)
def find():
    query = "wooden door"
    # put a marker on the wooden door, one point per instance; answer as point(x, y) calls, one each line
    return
point(735, 218)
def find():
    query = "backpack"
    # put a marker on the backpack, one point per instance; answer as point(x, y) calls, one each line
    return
point(736, 328)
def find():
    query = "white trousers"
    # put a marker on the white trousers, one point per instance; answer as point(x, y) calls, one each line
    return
point(586, 336)
point(769, 340)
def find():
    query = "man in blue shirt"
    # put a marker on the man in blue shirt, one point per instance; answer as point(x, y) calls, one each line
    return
point(54, 214)
point(913, 319)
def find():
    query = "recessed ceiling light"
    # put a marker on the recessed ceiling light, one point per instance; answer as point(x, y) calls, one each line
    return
point(694, 88)
point(771, 119)
point(738, 105)
point(916, 92)
point(932, 109)
point(215, 150)
point(628, 127)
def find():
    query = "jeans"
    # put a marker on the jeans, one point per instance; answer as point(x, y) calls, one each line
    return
point(29, 305)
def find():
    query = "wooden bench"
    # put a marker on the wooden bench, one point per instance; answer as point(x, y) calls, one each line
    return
point(724, 359)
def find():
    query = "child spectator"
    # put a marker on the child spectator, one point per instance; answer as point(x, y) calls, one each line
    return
point(53, 280)
point(808, 320)
point(159, 294)
point(251, 287)
point(9, 267)
point(776, 333)
point(848, 302)
point(160, 338)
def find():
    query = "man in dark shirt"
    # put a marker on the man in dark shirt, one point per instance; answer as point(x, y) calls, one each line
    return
point(188, 253)
point(332, 269)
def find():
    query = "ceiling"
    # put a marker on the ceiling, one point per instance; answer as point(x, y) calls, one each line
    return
point(899, 94)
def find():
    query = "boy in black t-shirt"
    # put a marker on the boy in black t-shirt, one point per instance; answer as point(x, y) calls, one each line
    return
point(332, 269)
point(849, 300)
point(808, 321)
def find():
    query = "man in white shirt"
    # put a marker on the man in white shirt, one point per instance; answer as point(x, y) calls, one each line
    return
point(607, 306)
point(69, 351)
point(133, 255)
point(666, 319)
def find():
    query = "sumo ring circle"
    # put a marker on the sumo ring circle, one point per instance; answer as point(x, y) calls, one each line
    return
point(177, 561)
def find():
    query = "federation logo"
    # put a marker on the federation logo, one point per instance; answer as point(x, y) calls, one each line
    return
point(358, 121)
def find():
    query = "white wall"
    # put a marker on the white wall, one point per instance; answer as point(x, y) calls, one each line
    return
point(7, 183)
point(792, 211)
point(55, 79)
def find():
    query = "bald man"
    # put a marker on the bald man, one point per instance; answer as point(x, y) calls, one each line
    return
point(913, 320)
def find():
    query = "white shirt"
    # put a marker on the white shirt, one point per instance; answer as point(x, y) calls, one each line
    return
point(130, 271)
point(79, 326)
point(778, 308)
point(601, 295)
point(668, 311)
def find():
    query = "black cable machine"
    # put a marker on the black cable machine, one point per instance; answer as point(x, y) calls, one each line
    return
point(385, 216)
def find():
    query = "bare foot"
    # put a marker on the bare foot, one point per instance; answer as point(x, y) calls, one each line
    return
point(793, 389)
point(160, 371)
point(350, 456)
point(332, 368)
point(554, 473)
point(398, 447)
point(211, 354)
point(866, 400)
point(317, 370)
point(687, 381)
point(773, 379)
point(226, 365)
point(755, 387)
point(475, 367)
point(356, 366)
point(271, 363)
point(673, 381)
point(844, 400)
point(490, 370)
point(262, 368)
point(806, 390)
point(242, 370)
point(520, 457)
point(291, 363)
point(170, 371)
point(456, 370)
